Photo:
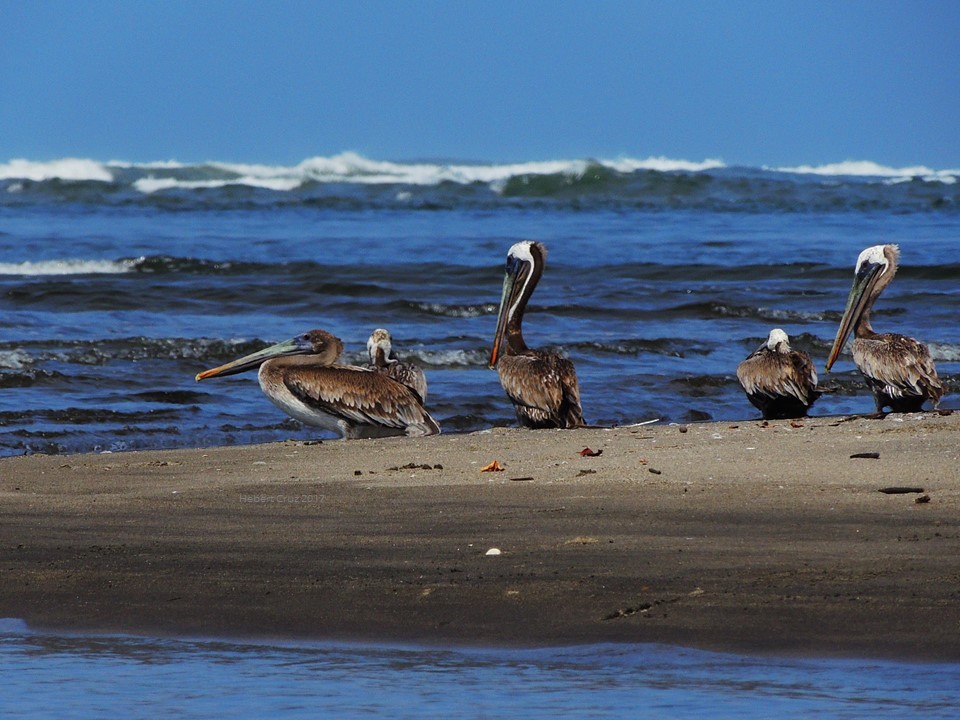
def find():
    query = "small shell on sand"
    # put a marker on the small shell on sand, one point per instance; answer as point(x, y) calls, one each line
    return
point(493, 551)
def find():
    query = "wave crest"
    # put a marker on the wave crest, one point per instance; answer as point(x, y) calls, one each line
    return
point(68, 266)
point(346, 167)
point(14, 359)
point(74, 169)
point(352, 181)
point(868, 168)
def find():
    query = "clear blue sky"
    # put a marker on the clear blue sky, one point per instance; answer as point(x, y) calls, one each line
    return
point(765, 82)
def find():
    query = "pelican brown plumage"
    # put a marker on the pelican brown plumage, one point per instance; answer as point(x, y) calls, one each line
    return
point(542, 386)
point(383, 359)
point(780, 382)
point(301, 377)
point(898, 369)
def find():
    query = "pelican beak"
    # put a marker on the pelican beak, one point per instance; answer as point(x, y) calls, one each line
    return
point(863, 283)
point(296, 346)
point(509, 282)
point(512, 287)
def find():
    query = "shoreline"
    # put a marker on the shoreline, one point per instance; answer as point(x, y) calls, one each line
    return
point(747, 537)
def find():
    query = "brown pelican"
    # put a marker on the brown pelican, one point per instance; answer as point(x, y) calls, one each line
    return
point(542, 386)
point(780, 382)
point(898, 369)
point(300, 377)
point(382, 359)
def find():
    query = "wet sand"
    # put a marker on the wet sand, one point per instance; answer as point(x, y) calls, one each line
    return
point(746, 537)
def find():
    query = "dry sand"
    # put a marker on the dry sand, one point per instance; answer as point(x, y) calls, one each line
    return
point(743, 536)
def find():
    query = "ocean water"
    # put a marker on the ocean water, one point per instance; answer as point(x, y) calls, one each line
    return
point(82, 676)
point(120, 281)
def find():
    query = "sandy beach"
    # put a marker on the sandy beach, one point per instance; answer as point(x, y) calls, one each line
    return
point(751, 536)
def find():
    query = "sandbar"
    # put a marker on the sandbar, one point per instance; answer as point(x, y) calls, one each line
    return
point(756, 537)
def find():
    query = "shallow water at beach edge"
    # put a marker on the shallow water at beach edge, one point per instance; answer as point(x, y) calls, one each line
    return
point(94, 676)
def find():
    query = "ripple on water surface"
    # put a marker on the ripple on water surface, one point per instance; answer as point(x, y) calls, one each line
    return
point(105, 675)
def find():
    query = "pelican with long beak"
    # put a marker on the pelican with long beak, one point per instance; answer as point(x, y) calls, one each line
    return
point(542, 386)
point(383, 359)
point(898, 369)
point(300, 376)
point(779, 381)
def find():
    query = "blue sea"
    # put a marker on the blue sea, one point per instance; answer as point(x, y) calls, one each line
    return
point(120, 281)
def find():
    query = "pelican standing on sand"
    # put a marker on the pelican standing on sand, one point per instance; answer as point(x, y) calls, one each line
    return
point(542, 386)
point(898, 369)
point(780, 382)
point(301, 378)
point(382, 359)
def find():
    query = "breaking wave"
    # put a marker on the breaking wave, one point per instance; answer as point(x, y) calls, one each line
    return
point(71, 169)
point(867, 168)
point(68, 266)
point(349, 180)
point(343, 168)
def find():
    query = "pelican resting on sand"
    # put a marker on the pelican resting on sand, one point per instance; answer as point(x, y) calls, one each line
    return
point(301, 378)
point(898, 369)
point(542, 386)
point(780, 382)
point(382, 359)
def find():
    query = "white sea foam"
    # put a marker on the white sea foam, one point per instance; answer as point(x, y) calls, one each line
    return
point(14, 359)
point(663, 164)
point(353, 168)
point(458, 311)
point(868, 168)
point(346, 167)
point(152, 184)
point(67, 267)
point(947, 177)
point(944, 352)
point(453, 358)
point(75, 169)
point(349, 167)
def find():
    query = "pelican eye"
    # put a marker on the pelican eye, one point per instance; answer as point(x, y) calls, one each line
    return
point(869, 267)
point(304, 341)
